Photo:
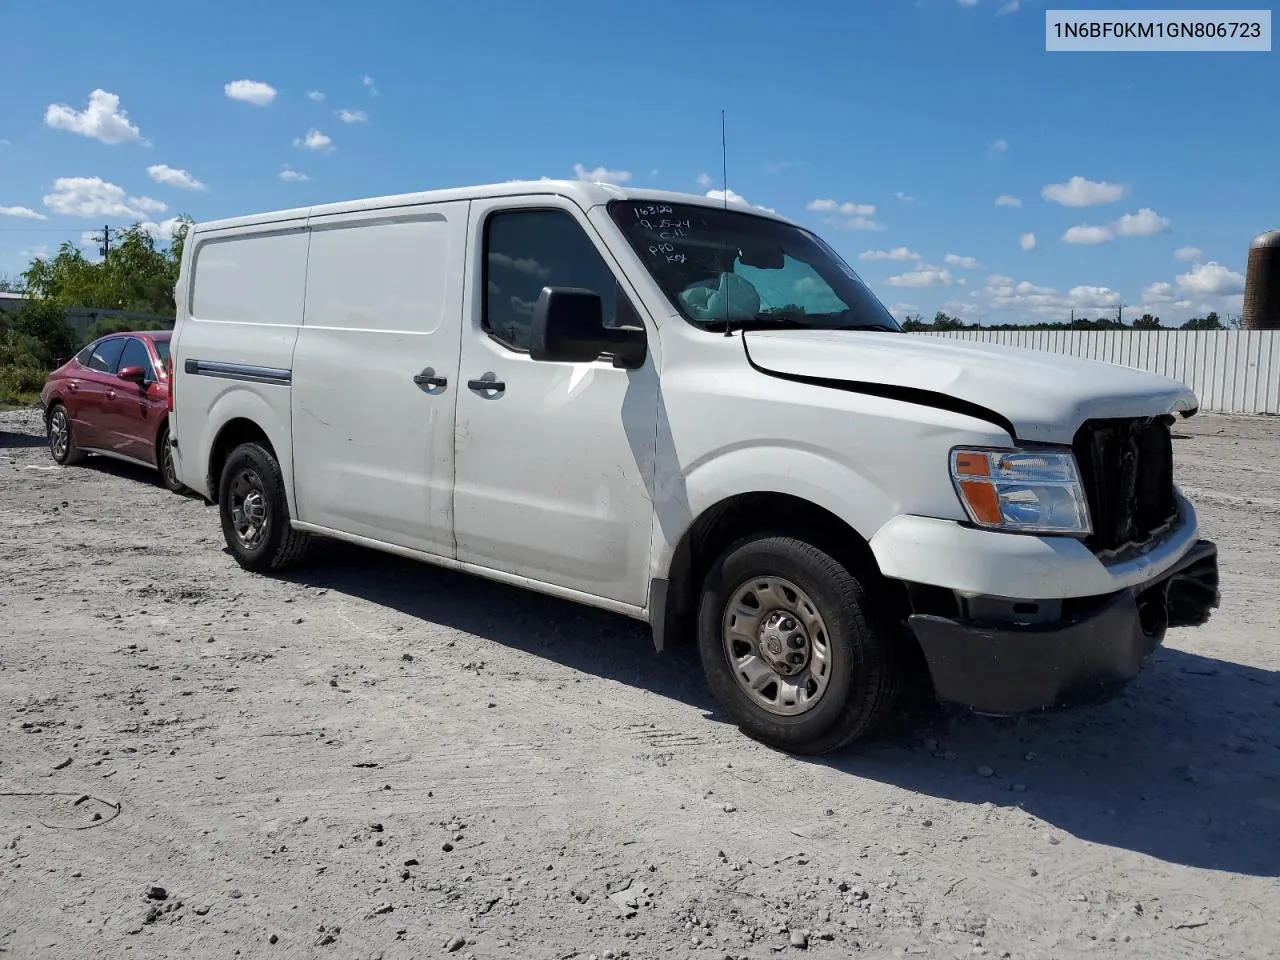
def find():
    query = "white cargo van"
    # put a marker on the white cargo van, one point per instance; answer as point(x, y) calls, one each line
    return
point(695, 415)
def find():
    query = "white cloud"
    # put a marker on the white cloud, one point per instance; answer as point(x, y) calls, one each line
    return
point(162, 231)
point(95, 197)
point(964, 263)
point(737, 198)
point(102, 120)
point(147, 205)
point(1011, 6)
point(22, 213)
point(999, 146)
point(926, 277)
point(857, 215)
point(847, 209)
point(1002, 293)
point(250, 91)
point(1211, 279)
point(1235, 302)
point(314, 140)
point(369, 85)
point(902, 310)
point(1027, 241)
point(897, 253)
point(1188, 253)
point(1087, 235)
point(704, 180)
point(905, 198)
point(1145, 223)
point(1004, 200)
point(601, 174)
point(1092, 298)
point(315, 95)
point(173, 177)
point(289, 175)
point(352, 116)
point(967, 3)
point(1079, 192)
point(1159, 293)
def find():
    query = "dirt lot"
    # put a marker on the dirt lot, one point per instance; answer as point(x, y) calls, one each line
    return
point(374, 758)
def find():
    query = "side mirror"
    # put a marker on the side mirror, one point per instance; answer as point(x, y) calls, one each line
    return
point(133, 374)
point(568, 326)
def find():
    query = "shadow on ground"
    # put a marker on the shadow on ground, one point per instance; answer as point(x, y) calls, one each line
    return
point(20, 441)
point(1183, 767)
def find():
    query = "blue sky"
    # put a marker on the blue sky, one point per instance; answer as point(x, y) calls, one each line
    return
point(890, 126)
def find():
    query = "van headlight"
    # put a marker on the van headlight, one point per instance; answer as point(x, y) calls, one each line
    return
point(1021, 491)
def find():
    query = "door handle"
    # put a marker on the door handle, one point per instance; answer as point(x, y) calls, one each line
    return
point(111, 394)
point(428, 378)
point(73, 386)
point(497, 386)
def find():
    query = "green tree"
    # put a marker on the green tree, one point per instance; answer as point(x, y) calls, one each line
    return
point(944, 321)
point(1147, 322)
point(137, 274)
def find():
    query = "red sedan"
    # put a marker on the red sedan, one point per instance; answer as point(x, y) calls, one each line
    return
point(112, 398)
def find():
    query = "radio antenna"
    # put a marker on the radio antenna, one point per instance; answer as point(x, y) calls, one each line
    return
point(724, 184)
point(724, 163)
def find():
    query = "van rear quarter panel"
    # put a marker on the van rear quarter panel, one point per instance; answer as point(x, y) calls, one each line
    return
point(244, 302)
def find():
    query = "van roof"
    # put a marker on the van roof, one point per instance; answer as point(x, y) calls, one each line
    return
point(587, 194)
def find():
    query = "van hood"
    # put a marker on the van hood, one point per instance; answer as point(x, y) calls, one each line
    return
point(1033, 394)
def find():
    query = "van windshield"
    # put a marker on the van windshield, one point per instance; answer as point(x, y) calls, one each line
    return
point(727, 266)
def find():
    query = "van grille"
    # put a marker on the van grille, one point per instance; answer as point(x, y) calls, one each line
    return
point(1127, 469)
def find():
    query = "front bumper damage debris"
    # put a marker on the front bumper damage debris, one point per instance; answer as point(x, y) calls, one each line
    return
point(1087, 656)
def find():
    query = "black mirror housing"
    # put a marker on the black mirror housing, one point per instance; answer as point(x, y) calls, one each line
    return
point(568, 327)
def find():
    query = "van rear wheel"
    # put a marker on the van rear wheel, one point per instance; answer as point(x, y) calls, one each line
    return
point(255, 513)
point(791, 646)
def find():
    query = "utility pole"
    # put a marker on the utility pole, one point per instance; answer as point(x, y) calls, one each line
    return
point(104, 241)
point(1120, 314)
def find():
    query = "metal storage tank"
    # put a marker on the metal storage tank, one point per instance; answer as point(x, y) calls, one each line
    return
point(1262, 283)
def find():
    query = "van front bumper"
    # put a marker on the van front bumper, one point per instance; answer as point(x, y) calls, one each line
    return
point(1097, 646)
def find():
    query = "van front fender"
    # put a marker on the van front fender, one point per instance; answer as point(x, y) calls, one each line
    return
point(796, 471)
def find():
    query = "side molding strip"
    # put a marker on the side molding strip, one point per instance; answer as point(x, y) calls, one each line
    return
point(239, 371)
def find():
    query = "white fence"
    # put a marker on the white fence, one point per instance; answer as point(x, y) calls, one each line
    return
point(1231, 371)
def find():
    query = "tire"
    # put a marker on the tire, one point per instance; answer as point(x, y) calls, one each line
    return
point(165, 464)
point(260, 537)
point(849, 682)
point(62, 447)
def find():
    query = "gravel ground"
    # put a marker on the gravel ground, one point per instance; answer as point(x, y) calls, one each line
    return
point(374, 758)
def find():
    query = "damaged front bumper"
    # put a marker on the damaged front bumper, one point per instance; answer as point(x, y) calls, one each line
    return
point(1093, 649)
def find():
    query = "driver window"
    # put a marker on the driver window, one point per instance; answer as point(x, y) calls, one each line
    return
point(526, 250)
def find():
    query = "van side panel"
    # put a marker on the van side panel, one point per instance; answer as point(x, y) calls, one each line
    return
point(234, 352)
point(373, 447)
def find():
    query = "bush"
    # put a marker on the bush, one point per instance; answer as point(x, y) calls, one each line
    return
point(44, 326)
point(104, 326)
point(21, 381)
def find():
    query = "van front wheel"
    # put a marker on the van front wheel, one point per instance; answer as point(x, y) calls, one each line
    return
point(791, 647)
point(255, 513)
